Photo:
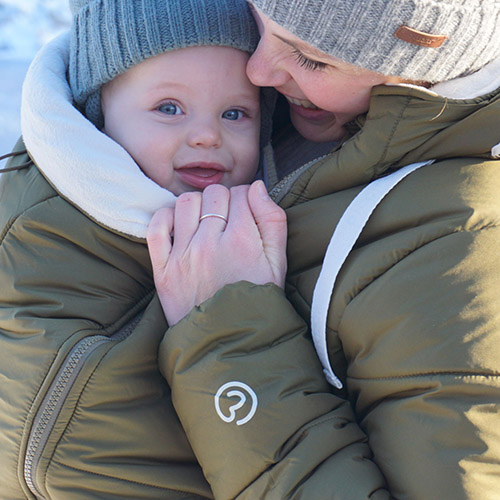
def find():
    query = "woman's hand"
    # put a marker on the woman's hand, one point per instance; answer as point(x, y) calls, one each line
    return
point(193, 259)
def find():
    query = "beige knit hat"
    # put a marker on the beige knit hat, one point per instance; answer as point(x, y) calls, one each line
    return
point(421, 40)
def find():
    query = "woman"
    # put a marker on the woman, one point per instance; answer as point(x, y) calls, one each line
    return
point(84, 410)
point(413, 333)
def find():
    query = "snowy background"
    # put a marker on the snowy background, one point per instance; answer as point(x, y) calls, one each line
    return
point(25, 25)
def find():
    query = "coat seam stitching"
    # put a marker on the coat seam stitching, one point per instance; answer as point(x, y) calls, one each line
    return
point(14, 220)
point(411, 252)
point(431, 373)
point(391, 136)
point(123, 479)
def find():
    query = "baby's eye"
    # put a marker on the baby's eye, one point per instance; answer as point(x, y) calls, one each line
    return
point(169, 108)
point(232, 114)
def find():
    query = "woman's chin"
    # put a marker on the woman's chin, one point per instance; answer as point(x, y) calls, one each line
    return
point(325, 130)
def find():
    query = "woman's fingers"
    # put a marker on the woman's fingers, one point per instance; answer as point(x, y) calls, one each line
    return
point(214, 209)
point(207, 255)
point(240, 214)
point(159, 238)
point(271, 223)
point(186, 219)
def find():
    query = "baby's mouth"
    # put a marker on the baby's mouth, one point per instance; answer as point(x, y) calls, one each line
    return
point(201, 172)
point(201, 175)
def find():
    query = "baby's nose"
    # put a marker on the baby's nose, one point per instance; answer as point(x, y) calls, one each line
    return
point(205, 134)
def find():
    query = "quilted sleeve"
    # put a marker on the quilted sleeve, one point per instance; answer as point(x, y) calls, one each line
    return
point(253, 400)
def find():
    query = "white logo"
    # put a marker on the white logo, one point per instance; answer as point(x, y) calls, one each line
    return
point(236, 393)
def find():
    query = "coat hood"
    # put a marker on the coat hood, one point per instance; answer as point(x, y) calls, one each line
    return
point(70, 151)
point(84, 165)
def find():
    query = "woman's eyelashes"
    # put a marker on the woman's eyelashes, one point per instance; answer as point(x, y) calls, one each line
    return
point(307, 63)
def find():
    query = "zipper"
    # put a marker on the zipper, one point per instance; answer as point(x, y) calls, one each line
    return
point(56, 396)
point(278, 192)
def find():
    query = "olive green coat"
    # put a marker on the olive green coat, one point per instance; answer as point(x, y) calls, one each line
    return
point(414, 333)
point(413, 328)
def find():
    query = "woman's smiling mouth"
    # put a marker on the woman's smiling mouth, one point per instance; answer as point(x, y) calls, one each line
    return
point(301, 102)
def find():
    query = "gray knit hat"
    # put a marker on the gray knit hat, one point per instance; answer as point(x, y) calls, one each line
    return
point(110, 36)
point(422, 40)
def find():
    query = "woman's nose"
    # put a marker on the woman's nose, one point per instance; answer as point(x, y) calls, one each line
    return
point(205, 134)
point(264, 70)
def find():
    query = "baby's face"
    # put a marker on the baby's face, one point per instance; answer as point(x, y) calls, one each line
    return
point(189, 118)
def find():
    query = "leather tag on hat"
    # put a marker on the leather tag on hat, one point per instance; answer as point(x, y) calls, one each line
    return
point(415, 37)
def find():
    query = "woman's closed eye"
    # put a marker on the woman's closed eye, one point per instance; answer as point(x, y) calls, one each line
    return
point(307, 63)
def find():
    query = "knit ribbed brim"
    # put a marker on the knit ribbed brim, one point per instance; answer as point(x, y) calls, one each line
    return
point(111, 36)
point(458, 36)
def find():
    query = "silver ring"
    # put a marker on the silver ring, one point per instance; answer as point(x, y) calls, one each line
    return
point(218, 216)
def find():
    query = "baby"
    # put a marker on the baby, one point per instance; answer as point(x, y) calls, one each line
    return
point(180, 104)
point(156, 103)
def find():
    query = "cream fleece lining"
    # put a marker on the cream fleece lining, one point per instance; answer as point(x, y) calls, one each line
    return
point(82, 163)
